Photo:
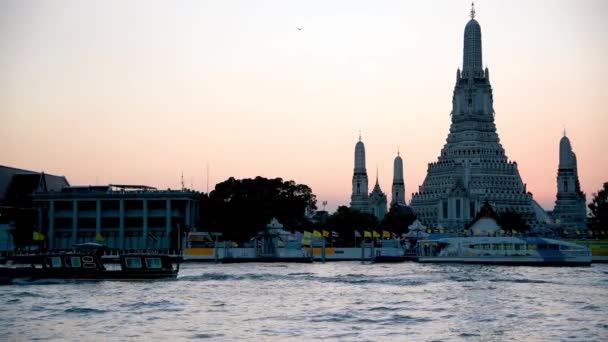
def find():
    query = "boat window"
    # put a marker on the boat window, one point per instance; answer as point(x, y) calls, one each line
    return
point(153, 263)
point(55, 261)
point(132, 262)
point(73, 261)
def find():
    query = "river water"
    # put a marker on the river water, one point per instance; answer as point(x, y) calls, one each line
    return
point(332, 301)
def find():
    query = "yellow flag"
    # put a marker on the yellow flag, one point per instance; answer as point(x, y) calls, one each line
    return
point(316, 233)
point(307, 234)
point(513, 231)
point(100, 238)
point(325, 233)
point(386, 234)
point(37, 236)
point(376, 234)
point(367, 234)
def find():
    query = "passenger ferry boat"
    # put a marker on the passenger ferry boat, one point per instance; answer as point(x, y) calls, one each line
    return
point(88, 262)
point(511, 250)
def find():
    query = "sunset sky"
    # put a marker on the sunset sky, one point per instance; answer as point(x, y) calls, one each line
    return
point(141, 91)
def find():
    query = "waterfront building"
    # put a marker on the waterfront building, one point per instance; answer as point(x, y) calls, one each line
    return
point(17, 212)
point(570, 212)
point(377, 201)
point(398, 189)
point(121, 216)
point(359, 199)
point(472, 166)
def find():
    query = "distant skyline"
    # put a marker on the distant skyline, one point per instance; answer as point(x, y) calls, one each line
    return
point(141, 91)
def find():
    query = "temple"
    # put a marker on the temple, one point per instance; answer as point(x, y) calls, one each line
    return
point(570, 212)
point(373, 203)
point(359, 198)
point(398, 189)
point(377, 201)
point(472, 166)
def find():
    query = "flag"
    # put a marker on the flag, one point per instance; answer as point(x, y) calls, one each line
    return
point(307, 234)
point(306, 241)
point(357, 234)
point(441, 231)
point(38, 236)
point(386, 234)
point(429, 231)
point(334, 234)
point(513, 232)
point(367, 234)
point(316, 233)
point(325, 233)
point(376, 234)
point(99, 238)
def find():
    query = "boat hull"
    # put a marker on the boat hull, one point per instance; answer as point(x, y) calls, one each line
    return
point(7, 274)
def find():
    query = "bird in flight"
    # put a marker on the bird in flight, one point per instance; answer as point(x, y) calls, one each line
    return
point(299, 29)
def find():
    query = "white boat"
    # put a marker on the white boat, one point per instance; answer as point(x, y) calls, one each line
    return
point(508, 250)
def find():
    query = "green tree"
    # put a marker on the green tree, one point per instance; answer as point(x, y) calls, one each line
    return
point(511, 220)
point(598, 217)
point(345, 221)
point(241, 208)
point(398, 219)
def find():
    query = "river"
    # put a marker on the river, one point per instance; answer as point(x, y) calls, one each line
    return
point(333, 301)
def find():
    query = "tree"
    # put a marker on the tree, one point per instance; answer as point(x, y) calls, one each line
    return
point(398, 219)
point(345, 221)
point(511, 220)
point(598, 217)
point(241, 208)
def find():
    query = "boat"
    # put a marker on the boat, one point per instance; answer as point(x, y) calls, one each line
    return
point(599, 249)
point(508, 250)
point(90, 262)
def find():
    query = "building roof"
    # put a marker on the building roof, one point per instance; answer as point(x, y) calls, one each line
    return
point(17, 184)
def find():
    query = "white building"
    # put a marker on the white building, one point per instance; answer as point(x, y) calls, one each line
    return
point(359, 199)
point(398, 189)
point(124, 216)
point(570, 211)
point(472, 166)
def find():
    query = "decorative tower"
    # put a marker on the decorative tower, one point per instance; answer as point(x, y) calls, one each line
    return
point(359, 199)
point(472, 166)
point(398, 190)
point(377, 201)
point(570, 207)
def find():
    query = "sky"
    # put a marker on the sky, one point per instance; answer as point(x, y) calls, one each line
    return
point(139, 92)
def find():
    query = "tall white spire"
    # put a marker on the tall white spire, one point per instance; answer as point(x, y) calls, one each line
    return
point(472, 56)
point(398, 189)
point(359, 196)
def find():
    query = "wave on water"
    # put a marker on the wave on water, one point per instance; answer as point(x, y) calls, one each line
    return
point(206, 336)
point(521, 281)
point(79, 310)
point(26, 294)
point(345, 279)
